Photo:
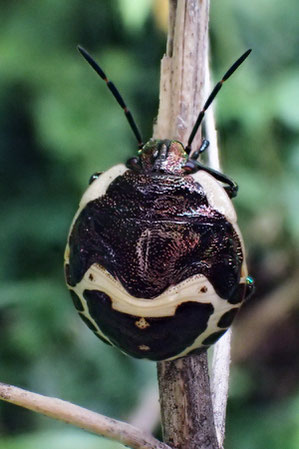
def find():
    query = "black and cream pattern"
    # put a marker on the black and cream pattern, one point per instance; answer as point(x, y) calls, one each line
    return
point(155, 260)
point(155, 263)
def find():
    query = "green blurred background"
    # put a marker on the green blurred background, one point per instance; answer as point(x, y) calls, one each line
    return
point(59, 124)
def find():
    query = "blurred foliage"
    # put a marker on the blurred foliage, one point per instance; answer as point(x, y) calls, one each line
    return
point(59, 440)
point(59, 124)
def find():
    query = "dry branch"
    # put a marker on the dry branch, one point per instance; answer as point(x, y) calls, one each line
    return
point(221, 350)
point(78, 416)
point(186, 402)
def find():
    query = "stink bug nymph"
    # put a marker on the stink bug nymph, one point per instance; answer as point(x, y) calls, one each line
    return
point(155, 260)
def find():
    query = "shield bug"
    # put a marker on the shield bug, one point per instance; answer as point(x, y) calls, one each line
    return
point(155, 260)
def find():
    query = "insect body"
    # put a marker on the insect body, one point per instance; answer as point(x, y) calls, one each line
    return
point(155, 259)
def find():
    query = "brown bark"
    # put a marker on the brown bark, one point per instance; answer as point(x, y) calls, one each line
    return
point(186, 404)
point(183, 70)
point(185, 397)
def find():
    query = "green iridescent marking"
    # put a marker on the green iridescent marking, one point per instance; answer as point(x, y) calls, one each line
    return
point(249, 280)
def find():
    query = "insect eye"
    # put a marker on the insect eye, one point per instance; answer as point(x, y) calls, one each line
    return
point(94, 177)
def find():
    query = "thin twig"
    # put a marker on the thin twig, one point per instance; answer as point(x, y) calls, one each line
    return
point(180, 99)
point(78, 416)
point(220, 383)
point(183, 71)
point(186, 404)
point(222, 349)
point(210, 125)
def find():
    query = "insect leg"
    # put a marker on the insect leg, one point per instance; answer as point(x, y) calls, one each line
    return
point(231, 186)
point(204, 145)
point(133, 164)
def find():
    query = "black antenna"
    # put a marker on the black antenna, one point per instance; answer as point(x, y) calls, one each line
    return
point(115, 93)
point(211, 97)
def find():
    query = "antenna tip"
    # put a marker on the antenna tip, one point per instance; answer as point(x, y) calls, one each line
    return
point(237, 63)
point(84, 52)
point(80, 49)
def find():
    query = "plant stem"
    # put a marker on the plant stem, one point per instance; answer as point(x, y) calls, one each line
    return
point(78, 416)
point(186, 402)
